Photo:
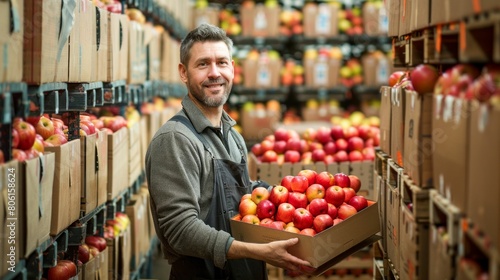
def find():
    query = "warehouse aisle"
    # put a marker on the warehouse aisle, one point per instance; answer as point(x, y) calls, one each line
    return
point(160, 267)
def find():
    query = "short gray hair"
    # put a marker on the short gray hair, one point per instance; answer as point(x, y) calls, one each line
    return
point(203, 33)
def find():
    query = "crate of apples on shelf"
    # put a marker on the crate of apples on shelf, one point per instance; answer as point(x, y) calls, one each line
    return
point(322, 209)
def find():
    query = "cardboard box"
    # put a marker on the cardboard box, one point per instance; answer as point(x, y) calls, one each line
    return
point(262, 73)
point(112, 245)
point(260, 21)
point(418, 147)
point(152, 41)
point(440, 11)
point(376, 69)
point(13, 230)
point(37, 193)
point(118, 40)
point(67, 186)
point(257, 124)
point(124, 254)
point(134, 147)
point(393, 212)
point(208, 15)
point(421, 14)
point(450, 125)
point(393, 9)
point(102, 167)
point(322, 247)
point(43, 34)
point(137, 66)
point(11, 43)
point(483, 162)
point(385, 119)
point(88, 173)
point(320, 20)
point(118, 162)
point(124, 47)
point(80, 43)
point(398, 97)
point(441, 256)
point(375, 19)
point(414, 246)
point(101, 46)
point(417, 197)
point(322, 72)
point(89, 269)
point(136, 210)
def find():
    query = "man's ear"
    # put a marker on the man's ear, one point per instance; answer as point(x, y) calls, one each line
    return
point(182, 72)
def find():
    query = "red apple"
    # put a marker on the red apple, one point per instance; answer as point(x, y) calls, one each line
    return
point(98, 124)
point(337, 220)
point(83, 253)
point(349, 193)
point(19, 155)
point(306, 158)
point(355, 144)
point(308, 231)
point(71, 266)
point(342, 180)
point(309, 174)
point(266, 145)
point(330, 148)
point(281, 134)
point(251, 219)
point(341, 144)
point(368, 153)
point(341, 156)
point(315, 191)
point(26, 133)
point(355, 183)
point(337, 132)
point(279, 147)
point(15, 139)
point(297, 199)
point(246, 196)
point(329, 159)
point(293, 144)
point(358, 202)
point(93, 251)
point(325, 179)
point(96, 241)
point(269, 156)
point(332, 210)
point(285, 212)
point(323, 135)
point(335, 195)
point(257, 149)
point(287, 182)
point(59, 272)
point(396, 77)
point(318, 206)
point(350, 132)
point(56, 140)
point(44, 127)
point(33, 120)
point(318, 155)
point(259, 194)
point(236, 217)
point(278, 195)
point(292, 229)
point(266, 222)
point(38, 145)
point(322, 222)
point(356, 156)
point(247, 207)
point(292, 156)
point(299, 184)
point(309, 134)
point(424, 78)
point(277, 225)
point(90, 125)
point(302, 218)
point(265, 209)
point(345, 211)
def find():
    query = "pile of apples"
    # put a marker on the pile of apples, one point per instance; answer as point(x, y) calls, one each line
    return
point(291, 22)
point(350, 21)
point(292, 73)
point(337, 143)
point(64, 269)
point(307, 203)
point(116, 226)
point(351, 73)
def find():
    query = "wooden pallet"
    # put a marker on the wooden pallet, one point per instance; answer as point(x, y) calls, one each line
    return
point(443, 212)
point(480, 38)
point(418, 197)
point(445, 44)
point(422, 46)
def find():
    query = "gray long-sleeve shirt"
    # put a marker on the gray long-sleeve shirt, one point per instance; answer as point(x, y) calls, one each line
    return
point(180, 178)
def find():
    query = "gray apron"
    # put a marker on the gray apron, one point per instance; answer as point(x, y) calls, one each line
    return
point(231, 182)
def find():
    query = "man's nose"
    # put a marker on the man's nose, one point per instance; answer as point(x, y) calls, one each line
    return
point(213, 70)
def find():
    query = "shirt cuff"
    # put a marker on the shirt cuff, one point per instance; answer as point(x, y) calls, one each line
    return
point(228, 243)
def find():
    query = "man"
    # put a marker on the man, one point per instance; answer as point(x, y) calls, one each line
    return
point(196, 172)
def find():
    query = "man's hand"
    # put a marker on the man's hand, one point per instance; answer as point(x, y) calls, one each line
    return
point(274, 253)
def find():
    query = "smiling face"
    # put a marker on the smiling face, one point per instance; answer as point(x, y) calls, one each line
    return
point(209, 73)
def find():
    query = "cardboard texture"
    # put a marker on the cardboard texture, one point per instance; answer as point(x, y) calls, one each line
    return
point(103, 265)
point(137, 66)
point(114, 43)
point(137, 211)
point(44, 18)
point(89, 174)
point(144, 133)
point(260, 21)
point(89, 269)
point(322, 247)
point(262, 73)
point(320, 20)
point(80, 43)
point(385, 119)
point(11, 43)
point(112, 245)
point(102, 167)
point(418, 148)
point(124, 47)
point(393, 212)
point(170, 59)
point(450, 125)
point(257, 124)
point(418, 197)
point(37, 195)
point(66, 190)
point(392, 7)
point(153, 45)
point(134, 147)
point(376, 69)
point(208, 15)
point(124, 254)
point(414, 238)
point(118, 154)
point(11, 205)
point(421, 14)
point(322, 72)
point(398, 97)
point(440, 11)
point(375, 19)
point(441, 256)
point(483, 162)
point(463, 8)
point(101, 46)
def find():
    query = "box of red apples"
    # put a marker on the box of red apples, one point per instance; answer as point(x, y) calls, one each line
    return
point(323, 210)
